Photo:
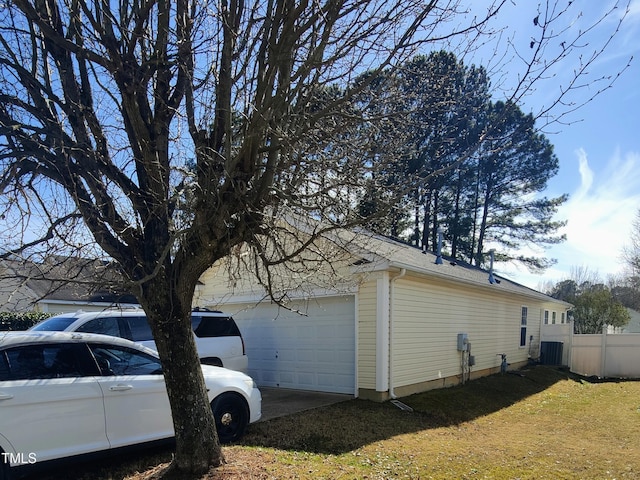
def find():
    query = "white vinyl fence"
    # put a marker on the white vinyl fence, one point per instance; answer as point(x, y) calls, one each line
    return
point(601, 355)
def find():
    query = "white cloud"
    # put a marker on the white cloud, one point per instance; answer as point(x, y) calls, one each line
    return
point(586, 175)
point(601, 210)
point(599, 216)
point(634, 11)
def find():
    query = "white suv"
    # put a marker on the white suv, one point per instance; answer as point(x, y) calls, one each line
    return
point(217, 336)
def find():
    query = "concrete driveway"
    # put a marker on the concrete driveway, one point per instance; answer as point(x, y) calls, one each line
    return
point(278, 402)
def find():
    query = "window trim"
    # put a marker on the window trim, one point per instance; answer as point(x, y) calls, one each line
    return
point(81, 361)
point(524, 314)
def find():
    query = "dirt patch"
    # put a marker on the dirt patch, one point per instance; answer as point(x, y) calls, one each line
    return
point(241, 464)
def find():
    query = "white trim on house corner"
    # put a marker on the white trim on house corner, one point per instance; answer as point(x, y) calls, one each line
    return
point(382, 333)
point(356, 313)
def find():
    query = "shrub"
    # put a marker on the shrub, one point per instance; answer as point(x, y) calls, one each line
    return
point(20, 320)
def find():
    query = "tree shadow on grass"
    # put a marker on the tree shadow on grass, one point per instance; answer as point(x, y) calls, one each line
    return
point(349, 425)
point(352, 424)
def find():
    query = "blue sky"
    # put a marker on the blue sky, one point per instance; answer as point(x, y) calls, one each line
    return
point(599, 153)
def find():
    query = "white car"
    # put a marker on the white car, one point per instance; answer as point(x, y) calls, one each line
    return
point(65, 394)
point(218, 338)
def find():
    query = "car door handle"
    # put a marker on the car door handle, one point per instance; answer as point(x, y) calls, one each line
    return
point(120, 388)
point(4, 396)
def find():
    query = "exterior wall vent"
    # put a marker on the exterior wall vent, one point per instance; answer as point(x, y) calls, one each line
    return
point(439, 250)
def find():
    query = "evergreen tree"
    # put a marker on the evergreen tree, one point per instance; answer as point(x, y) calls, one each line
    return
point(514, 164)
point(446, 155)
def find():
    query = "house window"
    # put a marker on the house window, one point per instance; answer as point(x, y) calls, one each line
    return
point(553, 318)
point(562, 320)
point(546, 317)
point(523, 326)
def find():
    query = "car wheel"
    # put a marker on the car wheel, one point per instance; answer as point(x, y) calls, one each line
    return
point(231, 413)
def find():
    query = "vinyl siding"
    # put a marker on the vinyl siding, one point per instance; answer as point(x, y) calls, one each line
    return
point(305, 277)
point(430, 305)
point(218, 285)
point(367, 303)
point(428, 315)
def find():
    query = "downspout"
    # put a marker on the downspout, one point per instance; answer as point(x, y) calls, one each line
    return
point(402, 273)
point(570, 353)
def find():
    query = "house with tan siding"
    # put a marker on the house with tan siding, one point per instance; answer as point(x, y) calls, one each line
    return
point(381, 320)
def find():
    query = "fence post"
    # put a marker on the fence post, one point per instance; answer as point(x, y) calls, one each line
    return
point(570, 353)
point(603, 352)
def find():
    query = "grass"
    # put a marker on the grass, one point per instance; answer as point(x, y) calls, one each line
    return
point(539, 423)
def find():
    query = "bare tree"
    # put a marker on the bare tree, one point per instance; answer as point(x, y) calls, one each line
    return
point(626, 286)
point(631, 251)
point(172, 132)
point(595, 304)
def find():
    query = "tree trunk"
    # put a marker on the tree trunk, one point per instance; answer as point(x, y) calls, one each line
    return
point(476, 207)
point(483, 225)
point(456, 230)
point(416, 240)
point(197, 444)
point(435, 215)
point(426, 221)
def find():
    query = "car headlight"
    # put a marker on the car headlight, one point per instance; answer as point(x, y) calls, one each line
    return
point(250, 383)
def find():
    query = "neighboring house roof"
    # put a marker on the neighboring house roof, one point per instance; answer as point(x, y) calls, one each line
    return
point(23, 283)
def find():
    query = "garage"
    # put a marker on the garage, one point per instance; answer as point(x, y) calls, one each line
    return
point(314, 351)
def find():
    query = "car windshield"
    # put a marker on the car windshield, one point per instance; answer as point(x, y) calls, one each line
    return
point(53, 324)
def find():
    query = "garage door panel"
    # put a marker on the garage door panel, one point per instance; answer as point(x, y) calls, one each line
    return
point(306, 356)
point(286, 354)
point(313, 352)
point(265, 377)
point(326, 357)
point(342, 382)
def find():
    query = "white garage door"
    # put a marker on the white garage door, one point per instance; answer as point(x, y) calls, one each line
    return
point(289, 350)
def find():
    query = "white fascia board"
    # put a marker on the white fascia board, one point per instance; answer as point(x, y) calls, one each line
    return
point(524, 291)
point(293, 295)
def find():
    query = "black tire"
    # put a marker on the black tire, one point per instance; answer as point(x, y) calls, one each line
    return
point(231, 413)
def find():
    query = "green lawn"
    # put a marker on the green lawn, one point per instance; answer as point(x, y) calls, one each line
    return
point(540, 423)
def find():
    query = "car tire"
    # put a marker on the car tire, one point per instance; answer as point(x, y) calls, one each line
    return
point(231, 413)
